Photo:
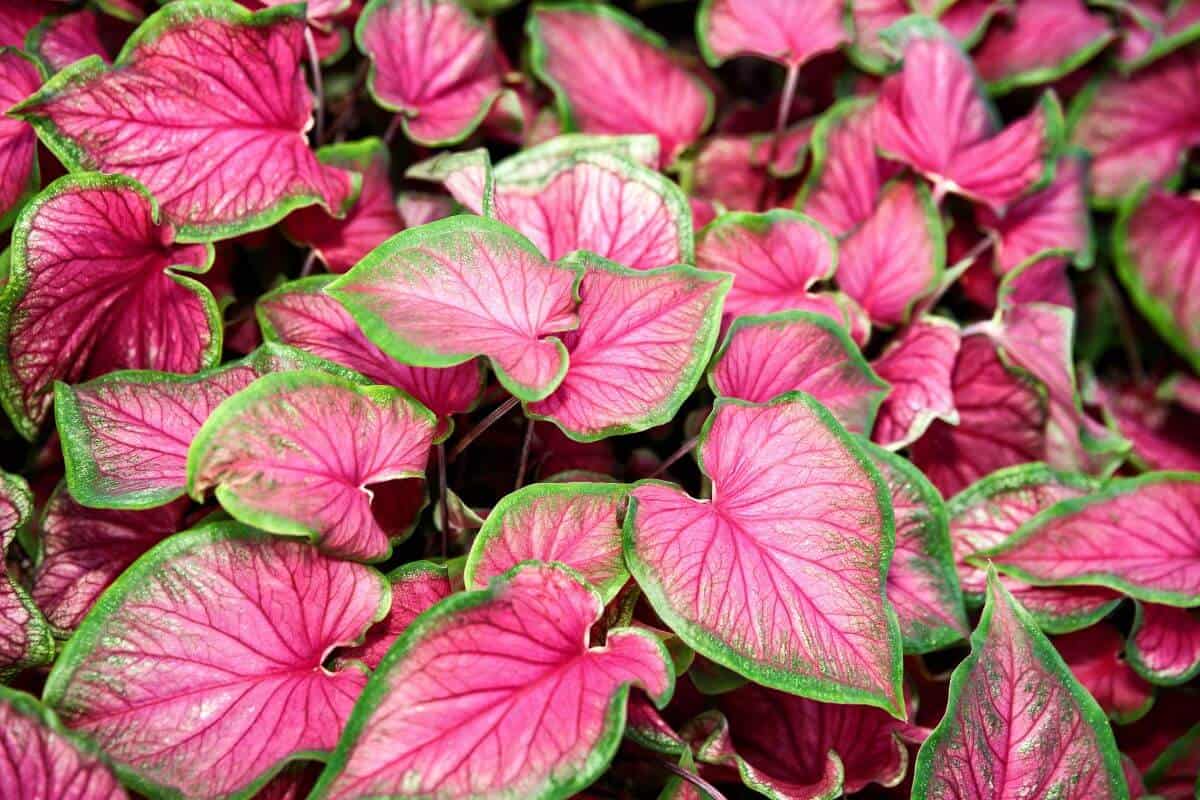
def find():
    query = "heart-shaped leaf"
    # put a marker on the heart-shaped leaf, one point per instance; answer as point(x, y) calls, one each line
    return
point(300, 314)
point(214, 635)
point(1017, 723)
point(19, 78)
point(805, 521)
point(643, 341)
point(41, 760)
point(433, 63)
point(575, 524)
point(296, 453)
point(1095, 659)
point(918, 365)
point(471, 701)
point(1136, 535)
point(1164, 646)
point(1156, 245)
point(773, 29)
point(211, 105)
point(647, 90)
point(1046, 40)
point(92, 288)
point(416, 588)
point(25, 639)
point(439, 295)
point(765, 357)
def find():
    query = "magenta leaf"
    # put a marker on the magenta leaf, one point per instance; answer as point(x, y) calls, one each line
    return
point(765, 357)
point(918, 364)
point(439, 295)
point(61, 41)
point(94, 288)
point(646, 91)
point(1017, 723)
point(772, 29)
point(1094, 657)
point(213, 638)
point(211, 104)
point(418, 208)
point(432, 63)
point(19, 78)
point(473, 698)
point(81, 551)
point(18, 17)
point(1164, 646)
point(933, 117)
point(1136, 535)
point(370, 220)
point(643, 341)
point(1159, 431)
point(574, 524)
point(1152, 30)
point(41, 760)
point(416, 588)
point(300, 314)
point(25, 640)
point(743, 172)
point(871, 18)
point(297, 453)
point(1156, 246)
point(922, 583)
point(897, 256)
point(806, 520)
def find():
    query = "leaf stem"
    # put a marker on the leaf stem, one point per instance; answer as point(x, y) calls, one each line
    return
point(309, 262)
point(442, 501)
point(392, 127)
point(683, 450)
point(781, 116)
point(314, 62)
point(523, 464)
point(483, 425)
point(692, 778)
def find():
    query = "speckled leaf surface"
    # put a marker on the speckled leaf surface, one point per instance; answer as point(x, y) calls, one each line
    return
point(919, 365)
point(773, 29)
point(24, 637)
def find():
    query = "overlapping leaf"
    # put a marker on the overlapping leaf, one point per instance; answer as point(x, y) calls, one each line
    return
point(918, 365)
point(1094, 657)
point(61, 41)
point(1045, 40)
point(19, 77)
point(773, 29)
point(1164, 646)
point(416, 588)
point(24, 637)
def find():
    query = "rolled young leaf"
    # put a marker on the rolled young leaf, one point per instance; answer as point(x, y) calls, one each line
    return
point(25, 639)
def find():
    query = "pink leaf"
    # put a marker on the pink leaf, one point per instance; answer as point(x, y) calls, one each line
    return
point(1001, 421)
point(1162, 434)
point(781, 576)
point(61, 41)
point(83, 550)
point(439, 295)
point(18, 17)
point(765, 357)
point(473, 700)
point(373, 217)
point(296, 454)
point(25, 640)
point(19, 78)
point(896, 257)
point(1140, 536)
point(416, 588)
point(643, 341)
point(773, 29)
point(211, 107)
point(1152, 31)
point(918, 364)
point(93, 288)
point(1017, 723)
point(1164, 646)
point(433, 63)
point(775, 259)
point(40, 760)
point(211, 639)
point(1094, 656)
point(646, 90)
point(574, 524)
point(738, 171)
point(1041, 279)
point(418, 208)
point(300, 314)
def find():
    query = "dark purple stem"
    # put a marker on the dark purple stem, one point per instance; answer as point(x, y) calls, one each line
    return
point(683, 450)
point(695, 780)
point(442, 501)
point(523, 464)
point(482, 427)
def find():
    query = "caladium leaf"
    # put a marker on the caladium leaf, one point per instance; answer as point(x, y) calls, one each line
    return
point(1152, 30)
point(160, 647)
point(296, 453)
point(1159, 432)
point(19, 78)
point(1156, 246)
point(439, 295)
point(1164, 646)
point(18, 17)
point(416, 588)
point(918, 365)
point(300, 314)
point(742, 172)
point(871, 18)
point(1042, 279)
point(373, 217)
point(647, 90)
point(468, 703)
point(61, 41)
point(1017, 723)
point(933, 117)
point(1044, 40)
point(25, 639)
point(218, 96)
point(93, 288)
point(804, 608)
point(922, 583)
point(575, 524)
point(42, 760)
point(1094, 657)
point(1001, 420)
point(775, 258)
point(643, 341)
point(772, 29)
point(1136, 535)
point(1138, 128)
point(765, 357)
point(418, 208)
point(897, 256)
point(433, 63)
